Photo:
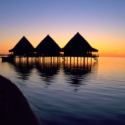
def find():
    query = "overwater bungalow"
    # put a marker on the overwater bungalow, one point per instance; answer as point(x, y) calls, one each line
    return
point(78, 47)
point(48, 47)
point(23, 48)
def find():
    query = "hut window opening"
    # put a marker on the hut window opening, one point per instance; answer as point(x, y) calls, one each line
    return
point(61, 53)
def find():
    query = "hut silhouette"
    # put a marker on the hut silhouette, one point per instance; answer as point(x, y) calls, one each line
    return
point(23, 47)
point(78, 46)
point(48, 47)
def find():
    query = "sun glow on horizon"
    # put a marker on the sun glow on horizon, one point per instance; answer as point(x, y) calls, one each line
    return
point(104, 50)
point(101, 24)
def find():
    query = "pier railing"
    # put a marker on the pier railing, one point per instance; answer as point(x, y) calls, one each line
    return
point(4, 55)
point(95, 55)
point(86, 55)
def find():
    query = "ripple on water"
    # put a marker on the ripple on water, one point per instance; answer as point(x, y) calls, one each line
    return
point(61, 96)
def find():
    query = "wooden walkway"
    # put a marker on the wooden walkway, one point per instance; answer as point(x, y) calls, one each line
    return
point(4, 55)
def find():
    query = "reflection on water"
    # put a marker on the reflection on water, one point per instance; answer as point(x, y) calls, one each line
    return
point(47, 71)
point(71, 92)
point(76, 71)
point(23, 71)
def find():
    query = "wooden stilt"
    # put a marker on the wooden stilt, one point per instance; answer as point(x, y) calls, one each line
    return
point(84, 63)
point(35, 59)
point(87, 62)
point(80, 61)
point(67, 61)
point(77, 61)
point(57, 61)
point(42, 62)
point(27, 60)
point(91, 60)
point(70, 61)
point(64, 61)
point(20, 60)
point(51, 61)
point(74, 61)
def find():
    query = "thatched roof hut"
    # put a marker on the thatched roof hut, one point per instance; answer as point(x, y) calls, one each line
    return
point(78, 46)
point(48, 47)
point(23, 47)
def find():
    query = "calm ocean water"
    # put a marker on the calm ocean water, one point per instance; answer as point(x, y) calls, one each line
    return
point(63, 96)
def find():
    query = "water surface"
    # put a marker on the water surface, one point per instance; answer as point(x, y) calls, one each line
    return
point(62, 95)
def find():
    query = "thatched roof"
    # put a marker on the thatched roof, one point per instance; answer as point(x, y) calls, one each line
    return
point(23, 46)
point(78, 45)
point(48, 47)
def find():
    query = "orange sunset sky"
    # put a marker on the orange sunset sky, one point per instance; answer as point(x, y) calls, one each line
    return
point(101, 23)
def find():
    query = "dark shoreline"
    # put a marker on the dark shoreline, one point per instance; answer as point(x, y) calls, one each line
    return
point(14, 108)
